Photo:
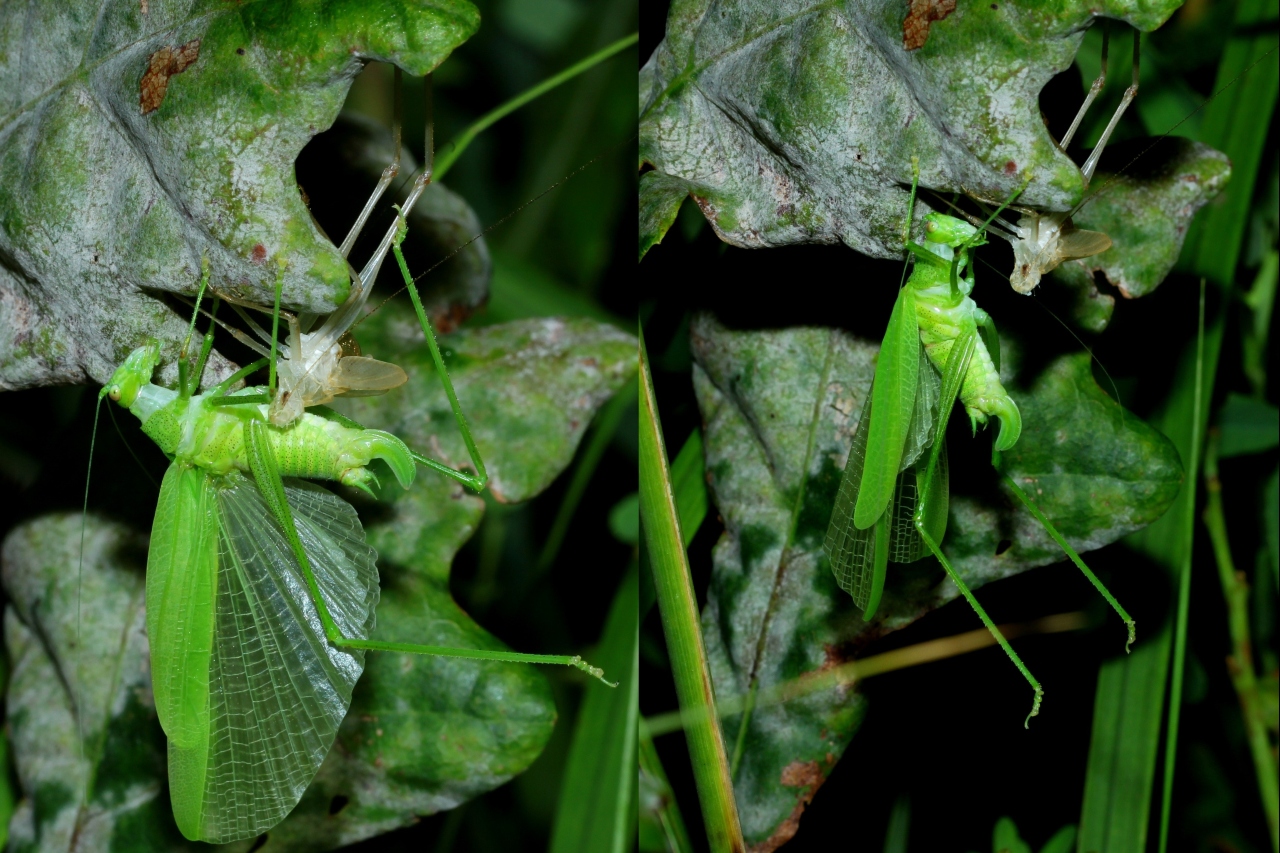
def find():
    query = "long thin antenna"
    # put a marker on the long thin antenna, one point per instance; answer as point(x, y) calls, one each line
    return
point(492, 226)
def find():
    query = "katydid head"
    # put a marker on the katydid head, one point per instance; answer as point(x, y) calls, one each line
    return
point(950, 231)
point(134, 373)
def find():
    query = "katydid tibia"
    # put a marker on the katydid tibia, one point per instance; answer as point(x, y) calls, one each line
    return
point(892, 503)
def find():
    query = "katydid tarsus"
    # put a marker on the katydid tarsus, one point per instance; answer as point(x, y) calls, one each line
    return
point(249, 564)
point(892, 503)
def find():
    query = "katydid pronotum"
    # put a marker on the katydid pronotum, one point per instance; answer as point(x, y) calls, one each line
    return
point(290, 557)
point(892, 503)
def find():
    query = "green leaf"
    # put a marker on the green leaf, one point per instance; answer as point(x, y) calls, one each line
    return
point(1005, 838)
point(1147, 208)
point(103, 694)
point(660, 199)
point(780, 408)
point(112, 188)
point(624, 519)
point(530, 389)
point(690, 487)
point(1097, 471)
point(686, 643)
point(1271, 522)
point(1063, 841)
point(1248, 426)
point(598, 801)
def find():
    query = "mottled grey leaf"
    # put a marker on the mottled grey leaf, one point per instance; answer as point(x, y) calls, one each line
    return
point(798, 122)
point(137, 138)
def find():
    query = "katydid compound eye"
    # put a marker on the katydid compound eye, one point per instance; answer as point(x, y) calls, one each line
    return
point(114, 393)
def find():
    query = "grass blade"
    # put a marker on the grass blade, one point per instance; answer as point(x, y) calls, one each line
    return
point(679, 607)
point(598, 793)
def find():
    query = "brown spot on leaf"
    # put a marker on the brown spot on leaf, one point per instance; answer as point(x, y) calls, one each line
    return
point(164, 63)
point(802, 774)
point(797, 774)
point(708, 209)
point(259, 254)
point(922, 13)
point(1010, 168)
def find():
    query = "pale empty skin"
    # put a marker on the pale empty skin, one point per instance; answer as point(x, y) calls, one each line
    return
point(1042, 241)
point(318, 364)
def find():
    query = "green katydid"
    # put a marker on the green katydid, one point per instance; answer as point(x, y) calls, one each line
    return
point(892, 503)
point(253, 574)
point(250, 576)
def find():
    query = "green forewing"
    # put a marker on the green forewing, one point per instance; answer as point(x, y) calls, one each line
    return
point(894, 394)
point(852, 550)
point(182, 565)
point(277, 689)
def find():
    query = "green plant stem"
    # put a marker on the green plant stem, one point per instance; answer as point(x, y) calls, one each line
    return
point(680, 624)
point(1187, 533)
point(1235, 591)
point(845, 675)
point(455, 148)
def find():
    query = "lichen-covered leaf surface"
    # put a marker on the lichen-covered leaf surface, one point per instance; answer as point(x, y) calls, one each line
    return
point(138, 137)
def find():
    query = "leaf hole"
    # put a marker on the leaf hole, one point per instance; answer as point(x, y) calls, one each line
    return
point(1005, 545)
point(337, 804)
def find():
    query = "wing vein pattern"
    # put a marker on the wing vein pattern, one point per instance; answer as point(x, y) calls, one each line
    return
point(277, 689)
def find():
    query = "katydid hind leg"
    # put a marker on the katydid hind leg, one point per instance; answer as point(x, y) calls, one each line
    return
point(957, 363)
point(881, 565)
point(1074, 557)
point(481, 477)
point(266, 474)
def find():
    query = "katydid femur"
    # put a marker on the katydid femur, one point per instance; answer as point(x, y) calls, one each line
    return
point(893, 498)
point(1042, 241)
